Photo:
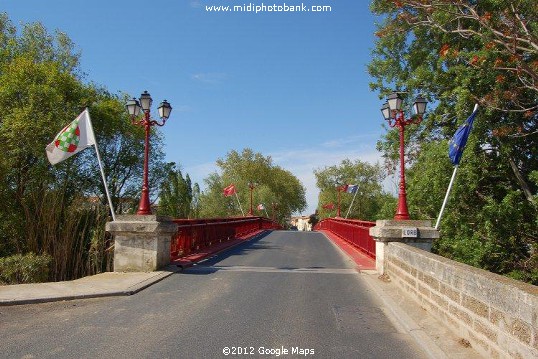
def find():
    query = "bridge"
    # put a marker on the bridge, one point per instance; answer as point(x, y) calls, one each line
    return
point(248, 288)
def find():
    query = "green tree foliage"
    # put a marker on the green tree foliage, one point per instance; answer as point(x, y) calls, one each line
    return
point(177, 196)
point(47, 209)
point(457, 53)
point(274, 187)
point(370, 196)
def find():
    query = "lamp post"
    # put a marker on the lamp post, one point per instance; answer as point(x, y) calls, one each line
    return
point(339, 190)
point(133, 108)
point(274, 205)
point(251, 185)
point(393, 114)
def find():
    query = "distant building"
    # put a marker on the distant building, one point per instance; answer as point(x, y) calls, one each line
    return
point(302, 223)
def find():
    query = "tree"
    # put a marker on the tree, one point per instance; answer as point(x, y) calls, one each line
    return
point(495, 38)
point(176, 196)
point(273, 185)
point(47, 208)
point(457, 53)
point(370, 195)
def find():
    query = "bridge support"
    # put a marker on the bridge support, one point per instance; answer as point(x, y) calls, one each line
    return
point(419, 234)
point(141, 243)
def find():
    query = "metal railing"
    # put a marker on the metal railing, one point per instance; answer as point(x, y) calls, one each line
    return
point(354, 231)
point(197, 234)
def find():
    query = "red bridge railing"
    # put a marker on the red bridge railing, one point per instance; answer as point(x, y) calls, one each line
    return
point(354, 231)
point(197, 234)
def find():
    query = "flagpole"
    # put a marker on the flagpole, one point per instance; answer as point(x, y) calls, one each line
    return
point(236, 196)
point(101, 168)
point(265, 209)
point(446, 197)
point(351, 205)
point(456, 165)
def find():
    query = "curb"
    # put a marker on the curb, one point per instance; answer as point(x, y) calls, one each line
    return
point(130, 290)
point(406, 322)
point(363, 261)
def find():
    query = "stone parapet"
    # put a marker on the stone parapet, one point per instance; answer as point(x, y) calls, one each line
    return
point(417, 233)
point(141, 243)
point(498, 316)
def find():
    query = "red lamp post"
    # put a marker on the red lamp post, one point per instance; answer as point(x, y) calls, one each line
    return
point(251, 185)
point(339, 190)
point(274, 205)
point(393, 114)
point(133, 107)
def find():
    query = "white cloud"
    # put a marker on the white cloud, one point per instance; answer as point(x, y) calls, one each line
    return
point(348, 141)
point(209, 77)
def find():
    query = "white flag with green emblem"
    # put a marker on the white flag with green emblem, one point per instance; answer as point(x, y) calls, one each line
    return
point(72, 139)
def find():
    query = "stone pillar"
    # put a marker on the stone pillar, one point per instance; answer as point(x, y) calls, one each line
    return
point(419, 234)
point(141, 243)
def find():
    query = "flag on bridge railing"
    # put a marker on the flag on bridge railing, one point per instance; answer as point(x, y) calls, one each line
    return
point(328, 206)
point(229, 191)
point(352, 188)
point(342, 188)
point(261, 207)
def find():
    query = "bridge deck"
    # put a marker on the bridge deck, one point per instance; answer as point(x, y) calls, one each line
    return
point(290, 291)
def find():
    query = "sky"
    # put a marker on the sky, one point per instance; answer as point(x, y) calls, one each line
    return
point(290, 85)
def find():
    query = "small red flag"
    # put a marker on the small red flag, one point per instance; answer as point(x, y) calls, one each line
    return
point(328, 206)
point(342, 188)
point(229, 191)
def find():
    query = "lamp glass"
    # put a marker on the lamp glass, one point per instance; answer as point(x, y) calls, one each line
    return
point(145, 101)
point(420, 105)
point(164, 109)
point(395, 101)
point(385, 110)
point(133, 107)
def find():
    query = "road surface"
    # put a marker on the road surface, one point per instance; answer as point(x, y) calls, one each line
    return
point(286, 294)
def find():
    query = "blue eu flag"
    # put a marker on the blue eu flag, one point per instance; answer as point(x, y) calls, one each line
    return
point(457, 143)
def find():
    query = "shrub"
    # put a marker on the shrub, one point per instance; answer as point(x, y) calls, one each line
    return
point(25, 268)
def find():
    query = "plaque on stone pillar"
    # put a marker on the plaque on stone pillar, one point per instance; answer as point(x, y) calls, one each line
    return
point(416, 233)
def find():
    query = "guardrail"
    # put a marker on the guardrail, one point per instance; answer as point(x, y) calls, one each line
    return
point(354, 231)
point(197, 234)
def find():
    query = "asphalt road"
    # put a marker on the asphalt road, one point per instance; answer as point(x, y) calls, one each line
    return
point(288, 294)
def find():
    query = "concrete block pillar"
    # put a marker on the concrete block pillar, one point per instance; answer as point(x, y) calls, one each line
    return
point(141, 243)
point(419, 234)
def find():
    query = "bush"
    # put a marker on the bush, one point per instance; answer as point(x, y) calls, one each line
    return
point(25, 268)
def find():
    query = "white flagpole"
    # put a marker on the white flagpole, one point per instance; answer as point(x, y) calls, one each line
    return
point(101, 167)
point(265, 209)
point(236, 196)
point(446, 197)
point(450, 185)
point(353, 200)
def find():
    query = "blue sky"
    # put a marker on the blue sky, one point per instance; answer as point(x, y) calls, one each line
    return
point(292, 86)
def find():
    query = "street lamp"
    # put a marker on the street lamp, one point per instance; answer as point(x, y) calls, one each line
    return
point(251, 185)
point(133, 108)
point(393, 114)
